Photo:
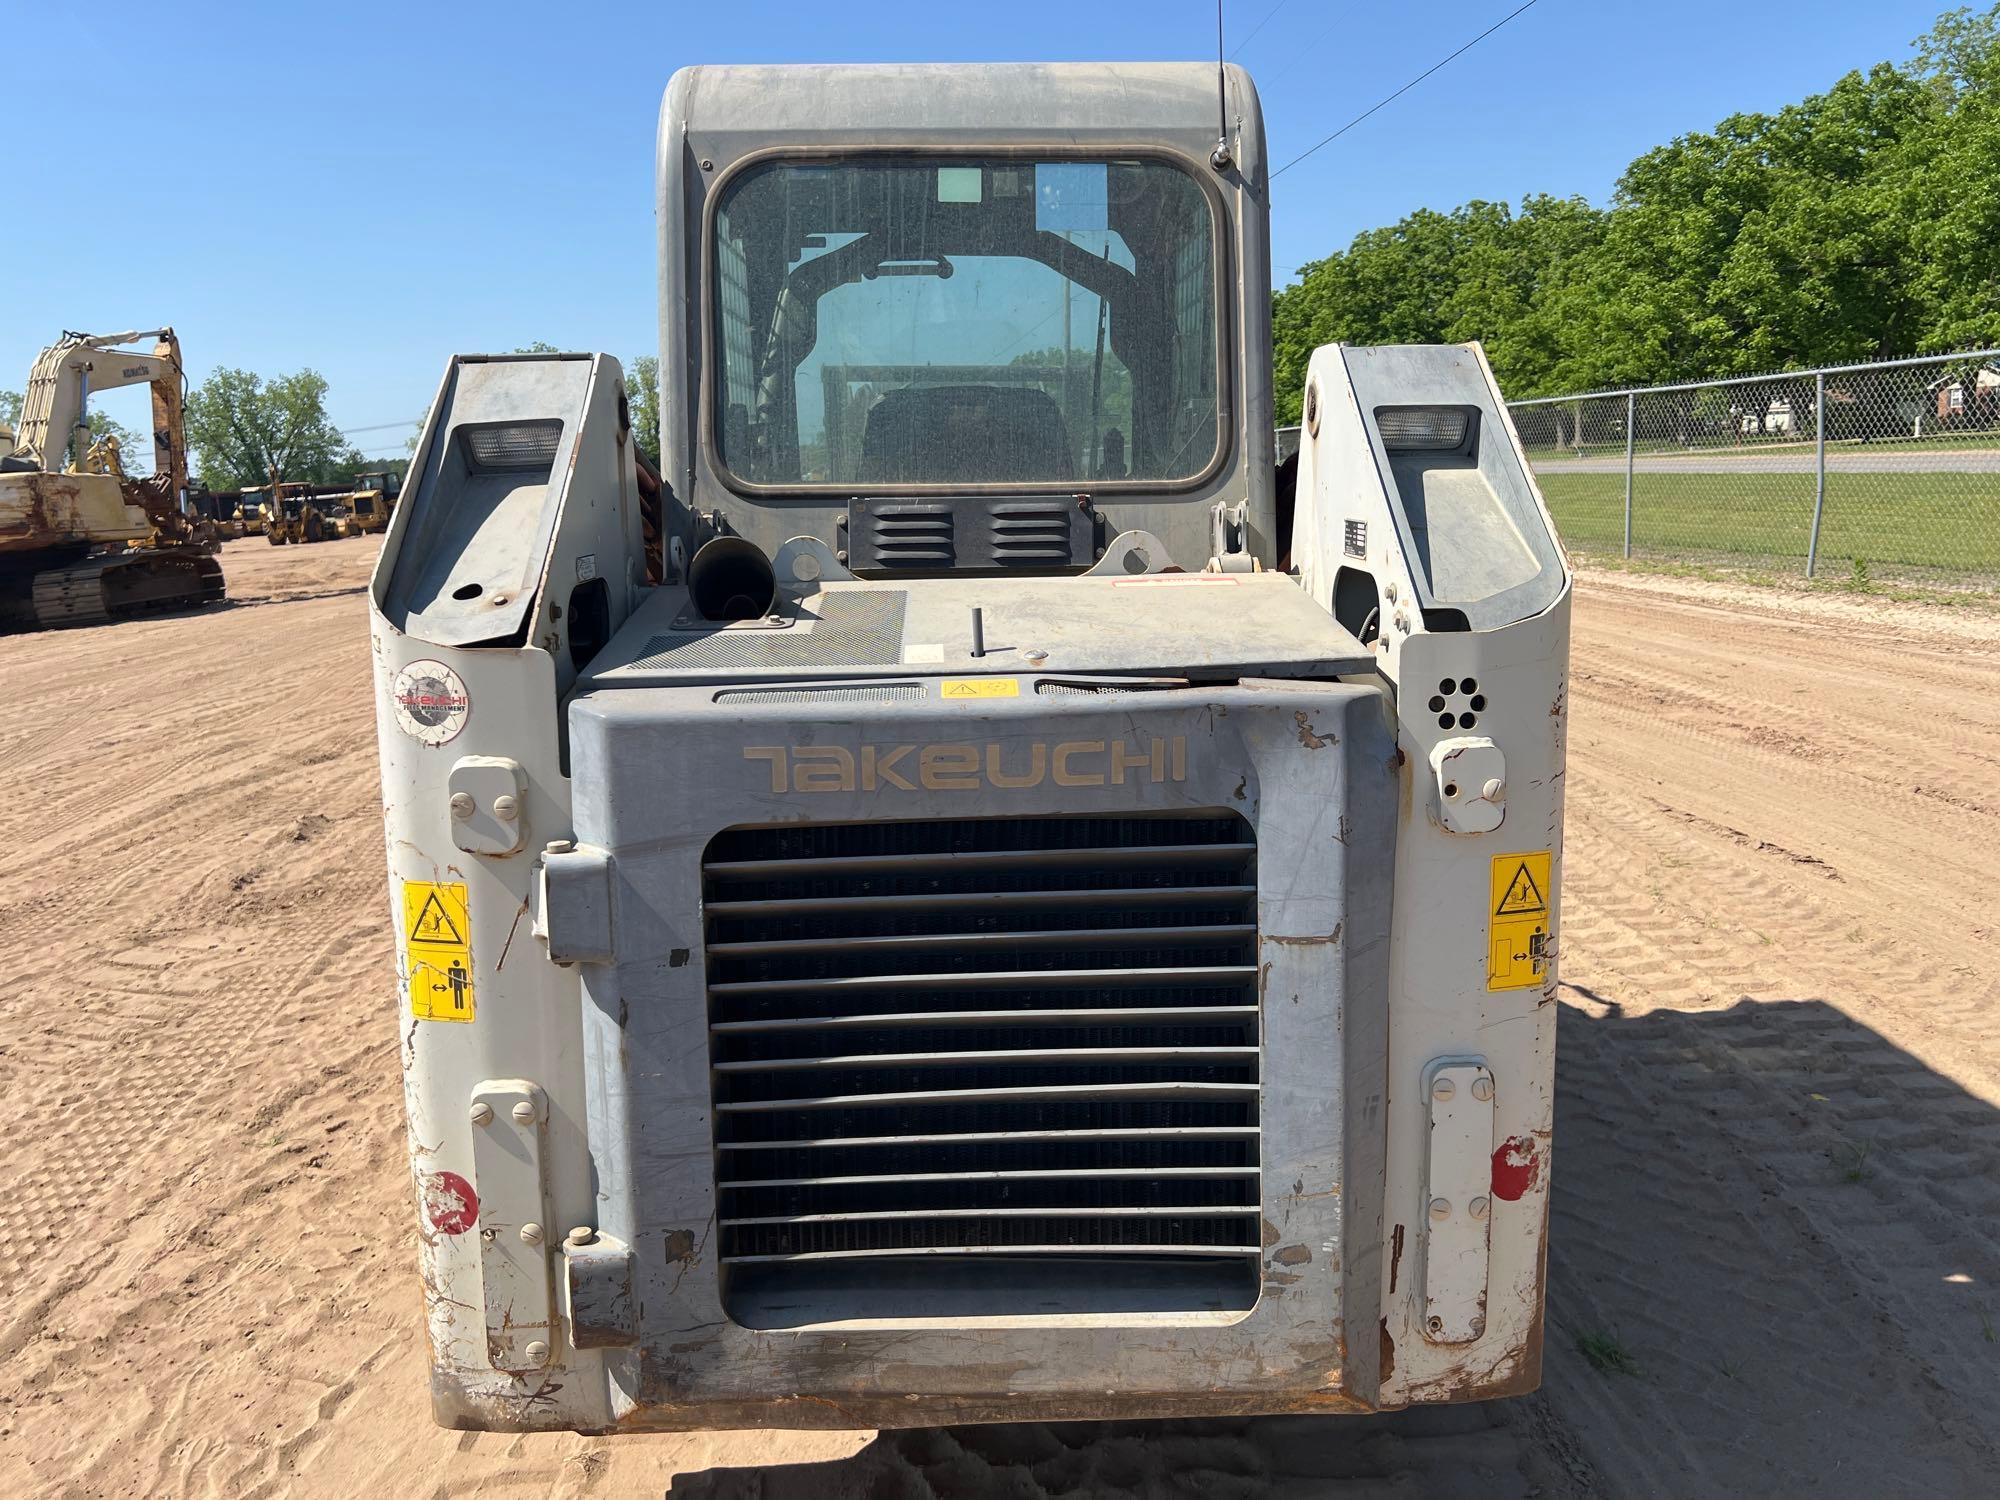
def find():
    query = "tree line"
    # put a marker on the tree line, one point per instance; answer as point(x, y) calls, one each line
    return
point(1860, 223)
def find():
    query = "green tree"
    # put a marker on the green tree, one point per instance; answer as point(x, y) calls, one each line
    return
point(242, 426)
point(1483, 271)
point(642, 391)
point(135, 459)
point(1861, 222)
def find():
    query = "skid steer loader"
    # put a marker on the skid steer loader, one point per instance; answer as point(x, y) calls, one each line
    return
point(971, 894)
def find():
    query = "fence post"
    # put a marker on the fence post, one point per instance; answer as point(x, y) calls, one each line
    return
point(1819, 469)
point(1631, 411)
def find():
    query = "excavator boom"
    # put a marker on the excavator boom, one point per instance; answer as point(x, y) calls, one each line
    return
point(80, 542)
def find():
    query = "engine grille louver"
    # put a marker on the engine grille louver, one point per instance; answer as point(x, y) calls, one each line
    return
point(970, 533)
point(985, 1037)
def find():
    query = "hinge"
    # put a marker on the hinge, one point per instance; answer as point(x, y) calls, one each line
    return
point(509, 1129)
point(576, 903)
point(1458, 1187)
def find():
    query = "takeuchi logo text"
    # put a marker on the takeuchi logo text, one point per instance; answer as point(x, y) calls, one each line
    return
point(964, 767)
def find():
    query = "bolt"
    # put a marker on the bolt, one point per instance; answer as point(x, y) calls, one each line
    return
point(1478, 1208)
point(1034, 653)
point(482, 1113)
point(1443, 1089)
point(537, 1352)
point(523, 1113)
point(506, 808)
point(1440, 1209)
point(583, 1234)
point(1391, 591)
point(1435, 1325)
point(1482, 1089)
point(531, 1234)
point(558, 846)
point(462, 805)
point(1492, 790)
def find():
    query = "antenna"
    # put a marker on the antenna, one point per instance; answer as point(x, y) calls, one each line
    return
point(1220, 158)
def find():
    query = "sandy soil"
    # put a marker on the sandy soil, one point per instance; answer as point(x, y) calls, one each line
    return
point(1777, 1210)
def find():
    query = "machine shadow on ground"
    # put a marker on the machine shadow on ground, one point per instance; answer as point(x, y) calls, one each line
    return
point(1764, 1267)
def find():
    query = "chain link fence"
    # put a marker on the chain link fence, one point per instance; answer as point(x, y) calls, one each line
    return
point(1886, 471)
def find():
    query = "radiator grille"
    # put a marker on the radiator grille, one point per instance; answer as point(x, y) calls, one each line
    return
point(1031, 1037)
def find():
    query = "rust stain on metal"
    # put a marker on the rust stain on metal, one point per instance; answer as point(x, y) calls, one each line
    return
point(1311, 940)
point(1395, 1258)
point(1309, 737)
point(1388, 1352)
point(1293, 1255)
point(512, 927)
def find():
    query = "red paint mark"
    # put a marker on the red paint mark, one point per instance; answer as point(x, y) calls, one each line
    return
point(1516, 1167)
point(450, 1203)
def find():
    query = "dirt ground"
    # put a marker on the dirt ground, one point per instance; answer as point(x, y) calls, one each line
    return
point(1777, 1171)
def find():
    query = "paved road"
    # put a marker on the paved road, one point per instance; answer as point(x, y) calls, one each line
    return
point(1786, 461)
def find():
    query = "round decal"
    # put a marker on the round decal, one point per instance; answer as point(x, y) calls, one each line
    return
point(449, 1202)
point(432, 704)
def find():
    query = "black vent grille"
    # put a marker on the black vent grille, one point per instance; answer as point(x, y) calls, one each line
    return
point(985, 1037)
point(970, 534)
point(914, 536)
point(1033, 533)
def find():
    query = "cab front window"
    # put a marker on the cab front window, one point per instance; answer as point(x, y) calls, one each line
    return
point(956, 321)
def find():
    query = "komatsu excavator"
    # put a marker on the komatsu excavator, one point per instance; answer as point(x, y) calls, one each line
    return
point(81, 542)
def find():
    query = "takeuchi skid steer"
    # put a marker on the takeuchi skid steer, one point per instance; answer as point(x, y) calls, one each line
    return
point(972, 892)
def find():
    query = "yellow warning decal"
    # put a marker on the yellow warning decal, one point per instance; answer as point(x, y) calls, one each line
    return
point(981, 687)
point(438, 927)
point(1518, 948)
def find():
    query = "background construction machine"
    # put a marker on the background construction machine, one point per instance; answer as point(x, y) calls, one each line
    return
point(81, 541)
point(299, 512)
point(1014, 905)
point(372, 501)
point(249, 512)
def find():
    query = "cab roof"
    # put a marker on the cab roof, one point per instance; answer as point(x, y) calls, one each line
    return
point(723, 112)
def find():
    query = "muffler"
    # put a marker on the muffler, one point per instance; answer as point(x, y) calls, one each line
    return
point(731, 579)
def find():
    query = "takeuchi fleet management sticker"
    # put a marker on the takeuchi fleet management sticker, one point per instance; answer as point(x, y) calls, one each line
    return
point(431, 702)
point(437, 927)
point(1517, 925)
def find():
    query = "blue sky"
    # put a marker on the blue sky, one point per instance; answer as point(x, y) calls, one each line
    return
point(367, 188)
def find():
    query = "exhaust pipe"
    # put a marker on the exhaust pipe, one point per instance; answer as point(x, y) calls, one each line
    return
point(731, 579)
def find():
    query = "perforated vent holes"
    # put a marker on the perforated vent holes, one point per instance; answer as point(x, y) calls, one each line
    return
point(1458, 703)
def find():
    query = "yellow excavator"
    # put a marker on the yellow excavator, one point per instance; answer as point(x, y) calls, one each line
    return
point(82, 542)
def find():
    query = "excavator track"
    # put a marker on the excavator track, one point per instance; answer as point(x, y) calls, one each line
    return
point(116, 585)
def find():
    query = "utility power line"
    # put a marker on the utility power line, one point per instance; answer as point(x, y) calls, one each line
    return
point(384, 426)
point(1257, 28)
point(1392, 98)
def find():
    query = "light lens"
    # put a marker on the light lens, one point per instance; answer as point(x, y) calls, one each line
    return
point(513, 445)
point(1407, 429)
